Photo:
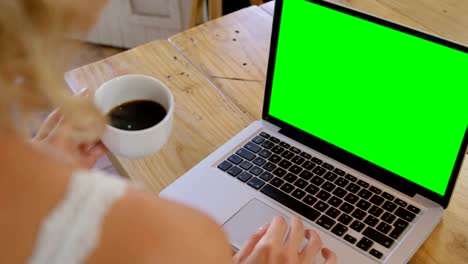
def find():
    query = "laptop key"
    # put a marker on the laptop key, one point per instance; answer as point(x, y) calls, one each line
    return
point(396, 232)
point(376, 211)
point(298, 194)
point(235, 159)
point(308, 165)
point(279, 172)
point(351, 198)
point(290, 177)
point(388, 196)
point(364, 194)
point(325, 222)
point(277, 182)
point(306, 175)
point(371, 221)
point(317, 160)
point(328, 186)
point(259, 161)
point(268, 144)
point(376, 253)
point(405, 214)
point(256, 183)
point(258, 140)
point(284, 145)
point(225, 165)
point(234, 171)
point(323, 195)
point(377, 200)
point(287, 155)
point(244, 176)
point(269, 166)
point(319, 170)
point(339, 192)
point(357, 226)
point(321, 206)
point(264, 153)
point(359, 214)
point(295, 169)
point(285, 164)
point(312, 189)
point(384, 227)
point(246, 165)
point(256, 171)
point(335, 201)
point(330, 176)
point(389, 206)
point(414, 209)
point(375, 190)
point(388, 217)
point(264, 134)
point(246, 154)
point(266, 176)
point(339, 172)
point(300, 183)
point(345, 219)
point(401, 202)
point(353, 188)
point(317, 180)
point(328, 166)
point(347, 208)
point(252, 147)
point(295, 150)
point(339, 230)
point(310, 200)
point(378, 237)
point(297, 159)
point(277, 149)
point(333, 212)
point(287, 188)
point(274, 159)
point(290, 202)
point(363, 205)
point(365, 244)
point(351, 178)
point(306, 155)
point(342, 182)
point(275, 140)
point(350, 239)
point(363, 184)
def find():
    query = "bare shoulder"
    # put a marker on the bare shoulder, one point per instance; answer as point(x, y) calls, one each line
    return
point(142, 228)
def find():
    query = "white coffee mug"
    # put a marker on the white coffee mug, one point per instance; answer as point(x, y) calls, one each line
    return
point(132, 87)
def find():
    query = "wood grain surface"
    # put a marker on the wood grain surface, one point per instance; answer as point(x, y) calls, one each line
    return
point(204, 117)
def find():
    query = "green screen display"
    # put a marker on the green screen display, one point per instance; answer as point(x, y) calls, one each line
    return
point(393, 99)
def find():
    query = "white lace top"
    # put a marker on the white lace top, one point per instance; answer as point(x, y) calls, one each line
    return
point(71, 232)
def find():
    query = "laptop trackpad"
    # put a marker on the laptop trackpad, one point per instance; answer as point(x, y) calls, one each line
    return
point(248, 220)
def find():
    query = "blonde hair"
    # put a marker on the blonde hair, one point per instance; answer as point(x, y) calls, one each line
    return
point(31, 71)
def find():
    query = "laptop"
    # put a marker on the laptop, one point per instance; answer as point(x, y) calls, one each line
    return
point(363, 134)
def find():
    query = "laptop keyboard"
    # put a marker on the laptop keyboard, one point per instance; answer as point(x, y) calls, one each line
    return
point(361, 214)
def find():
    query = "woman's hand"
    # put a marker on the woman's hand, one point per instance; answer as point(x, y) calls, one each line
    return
point(54, 138)
point(268, 245)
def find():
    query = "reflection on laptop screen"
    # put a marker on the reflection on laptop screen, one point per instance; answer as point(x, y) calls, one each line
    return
point(391, 98)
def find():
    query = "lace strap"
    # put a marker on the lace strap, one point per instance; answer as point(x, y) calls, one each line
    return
point(71, 232)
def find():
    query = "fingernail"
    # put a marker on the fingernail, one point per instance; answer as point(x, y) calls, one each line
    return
point(263, 227)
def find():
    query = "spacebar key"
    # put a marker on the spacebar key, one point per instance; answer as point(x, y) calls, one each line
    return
point(290, 202)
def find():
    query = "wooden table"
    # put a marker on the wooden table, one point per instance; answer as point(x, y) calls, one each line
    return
point(216, 72)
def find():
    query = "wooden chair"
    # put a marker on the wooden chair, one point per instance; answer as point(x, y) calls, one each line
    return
point(215, 9)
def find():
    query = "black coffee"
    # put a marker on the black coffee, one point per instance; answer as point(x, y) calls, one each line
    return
point(136, 115)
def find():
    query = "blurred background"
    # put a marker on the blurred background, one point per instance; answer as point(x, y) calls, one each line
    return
point(129, 23)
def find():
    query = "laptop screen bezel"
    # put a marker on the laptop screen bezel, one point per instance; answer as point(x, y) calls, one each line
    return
point(387, 177)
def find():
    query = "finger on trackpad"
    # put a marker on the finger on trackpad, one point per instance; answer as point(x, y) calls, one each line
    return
point(248, 220)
